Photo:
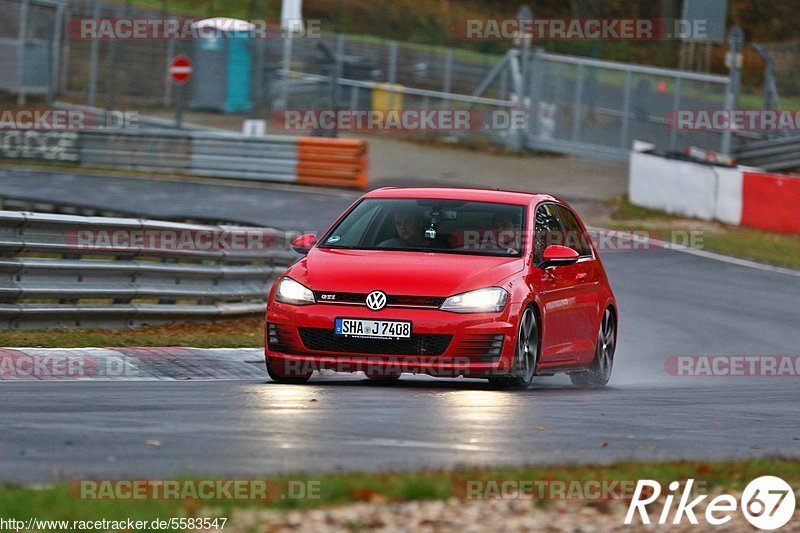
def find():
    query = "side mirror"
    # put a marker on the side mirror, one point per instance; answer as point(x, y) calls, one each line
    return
point(303, 243)
point(557, 255)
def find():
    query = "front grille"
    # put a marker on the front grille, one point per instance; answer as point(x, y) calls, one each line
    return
point(484, 348)
point(392, 300)
point(324, 340)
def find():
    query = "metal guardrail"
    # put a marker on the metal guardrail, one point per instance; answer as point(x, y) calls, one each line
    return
point(48, 279)
point(779, 153)
point(227, 155)
point(274, 158)
point(34, 203)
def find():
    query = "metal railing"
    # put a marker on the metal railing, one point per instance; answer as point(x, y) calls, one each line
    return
point(220, 154)
point(778, 153)
point(50, 277)
point(572, 104)
point(197, 153)
point(598, 107)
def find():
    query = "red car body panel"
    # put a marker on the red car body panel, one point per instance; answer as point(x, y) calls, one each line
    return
point(569, 300)
point(432, 274)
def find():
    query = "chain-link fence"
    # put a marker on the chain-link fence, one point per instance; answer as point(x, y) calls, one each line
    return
point(600, 107)
point(572, 104)
point(787, 68)
point(122, 71)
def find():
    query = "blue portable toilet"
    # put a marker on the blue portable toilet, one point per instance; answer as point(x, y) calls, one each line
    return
point(223, 56)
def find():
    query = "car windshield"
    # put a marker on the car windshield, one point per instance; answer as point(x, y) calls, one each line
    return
point(431, 225)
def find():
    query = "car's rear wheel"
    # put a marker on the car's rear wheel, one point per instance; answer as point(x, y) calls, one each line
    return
point(279, 373)
point(600, 372)
point(526, 355)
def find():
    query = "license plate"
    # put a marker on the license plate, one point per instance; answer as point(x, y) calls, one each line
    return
point(372, 329)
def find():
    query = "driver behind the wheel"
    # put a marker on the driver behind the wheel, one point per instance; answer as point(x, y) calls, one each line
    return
point(409, 225)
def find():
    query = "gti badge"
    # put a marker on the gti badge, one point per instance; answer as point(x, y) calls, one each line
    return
point(376, 300)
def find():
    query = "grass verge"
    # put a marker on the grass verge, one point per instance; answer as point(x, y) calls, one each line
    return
point(780, 249)
point(56, 502)
point(242, 333)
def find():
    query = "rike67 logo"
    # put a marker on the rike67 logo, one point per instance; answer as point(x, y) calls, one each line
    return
point(768, 503)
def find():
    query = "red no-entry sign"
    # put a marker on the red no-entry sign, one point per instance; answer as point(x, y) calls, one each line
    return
point(180, 69)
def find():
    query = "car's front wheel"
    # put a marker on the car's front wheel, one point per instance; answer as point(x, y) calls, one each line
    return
point(600, 372)
point(278, 372)
point(526, 355)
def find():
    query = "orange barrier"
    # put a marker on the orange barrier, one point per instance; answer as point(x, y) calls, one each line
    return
point(337, 162)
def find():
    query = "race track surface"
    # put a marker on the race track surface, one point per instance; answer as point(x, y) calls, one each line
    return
point(267, 204)
point(671, 303)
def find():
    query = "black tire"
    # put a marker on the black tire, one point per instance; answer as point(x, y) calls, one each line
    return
point(278, 376)
point(597, 375)
point(526, 354)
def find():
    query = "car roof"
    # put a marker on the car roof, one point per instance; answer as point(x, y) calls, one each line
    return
point(458, 193)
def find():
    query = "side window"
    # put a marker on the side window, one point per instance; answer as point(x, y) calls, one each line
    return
point(351, 232)
point(575, 238)
point(548, 230)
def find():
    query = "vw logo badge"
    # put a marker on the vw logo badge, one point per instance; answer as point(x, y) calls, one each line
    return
point(376, 300)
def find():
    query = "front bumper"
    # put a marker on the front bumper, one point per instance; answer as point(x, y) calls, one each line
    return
point(444, 344)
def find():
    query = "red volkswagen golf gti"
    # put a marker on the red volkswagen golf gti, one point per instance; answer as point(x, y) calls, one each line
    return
point(446, 282)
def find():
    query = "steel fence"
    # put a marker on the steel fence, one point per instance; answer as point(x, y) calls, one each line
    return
point(787, 69)
point(219, 154)
point(572, 104)
point(594, 107)
point(47, 278)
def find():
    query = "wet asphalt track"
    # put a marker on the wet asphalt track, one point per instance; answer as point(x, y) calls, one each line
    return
point(671, 303)
point(271, 205)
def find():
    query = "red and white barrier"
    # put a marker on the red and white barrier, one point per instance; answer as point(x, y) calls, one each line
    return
point(737, 196)
point(771, 201)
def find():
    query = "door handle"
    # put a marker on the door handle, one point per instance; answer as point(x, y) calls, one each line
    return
point(581, 276)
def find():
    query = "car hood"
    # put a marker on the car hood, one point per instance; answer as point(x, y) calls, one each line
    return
point(401, 273)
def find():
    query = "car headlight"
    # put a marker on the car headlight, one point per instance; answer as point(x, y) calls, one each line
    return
point(291, 292)
point(488, 300)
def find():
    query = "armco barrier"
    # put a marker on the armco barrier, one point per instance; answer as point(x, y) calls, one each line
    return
point(306, 160)
point(731, 195)
point(68, 270)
